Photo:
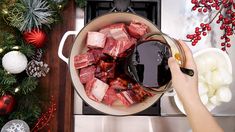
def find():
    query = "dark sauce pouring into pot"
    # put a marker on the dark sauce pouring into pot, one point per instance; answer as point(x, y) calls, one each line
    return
point(147, 64)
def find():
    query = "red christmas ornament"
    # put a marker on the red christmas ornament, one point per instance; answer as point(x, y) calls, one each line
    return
point(35, 37)
point(7, 103)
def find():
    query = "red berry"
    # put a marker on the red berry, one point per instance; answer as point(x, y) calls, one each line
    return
point(233, 14)
point(200, 10)
point(204, 33)
point(228, 11)
point(210, 1)
point(204, 10)
point(223, 49)
point(217, 7)
point(224, 1)
point(221, 17)
point(222, 44)
point(218, 21)
point(188, 36)
point(194, 8)
point(198, 37)
point(193, 43)
point(228, 45)
point(221, 27)
point(197, 29)
point(213, 5)
point(227, 39)
point(209, 29)
point(222, 37)
point(202, 24)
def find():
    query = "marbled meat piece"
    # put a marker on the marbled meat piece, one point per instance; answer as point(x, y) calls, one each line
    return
point(105, 70)
point(115, 48)
point(110, 96)
point(111, 48)
point(83, 60)
point(125, 45)
point(87, 73)
point(95, 40)
point(117, 31)
point(88, 90)
point(137, 29)
point(98, 54)
point(140, 93)
point(127, 97)
point(96, 89)
point(119, 83)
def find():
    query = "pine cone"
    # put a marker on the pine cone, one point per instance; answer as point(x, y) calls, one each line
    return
point(37, 69)
point(37, 55)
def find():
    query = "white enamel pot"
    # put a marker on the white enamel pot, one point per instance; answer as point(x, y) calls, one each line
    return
point(79, 47)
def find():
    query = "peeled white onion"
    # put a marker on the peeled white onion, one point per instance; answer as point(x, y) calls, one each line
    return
point(211, 62)
point(224, 94)
point(209, 77)
point(214, 100)
point(201, 65)
point(211, 91)
point(221, 77)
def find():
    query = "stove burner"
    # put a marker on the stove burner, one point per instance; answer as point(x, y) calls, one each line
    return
point(121, 5)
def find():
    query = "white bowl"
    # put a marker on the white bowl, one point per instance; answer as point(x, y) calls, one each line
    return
point(221, 57)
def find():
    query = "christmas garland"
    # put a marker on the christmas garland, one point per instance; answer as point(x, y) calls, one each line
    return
point(24, 25)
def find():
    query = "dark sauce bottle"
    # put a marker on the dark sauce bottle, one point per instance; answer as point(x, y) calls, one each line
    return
point(148, 64)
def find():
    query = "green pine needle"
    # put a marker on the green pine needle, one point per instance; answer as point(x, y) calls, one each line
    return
point(7, 39)
point(6, 79)
point(27, 49)
point(38, 13)
point(81, 3)
point(27, 109)
point(28, 85)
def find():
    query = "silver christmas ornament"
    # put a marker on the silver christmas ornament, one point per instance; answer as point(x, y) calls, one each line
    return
point(15, 126)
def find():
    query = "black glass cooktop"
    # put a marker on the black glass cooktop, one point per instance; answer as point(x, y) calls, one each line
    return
point(150, 9)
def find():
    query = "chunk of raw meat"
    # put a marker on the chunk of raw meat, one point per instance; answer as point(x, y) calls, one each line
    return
point(110, 96)
point(98, 54)
point(83, 60)
point(87, 73)
point(127, 97)
point(105, 70)
point(117, 31)
point(119, 83)
point(137, 29)
point(88, 90)
point(96, 89)
point(95, 40)
point(99, 89)
point(126, 44)
point(116, 47)
point(140, 93)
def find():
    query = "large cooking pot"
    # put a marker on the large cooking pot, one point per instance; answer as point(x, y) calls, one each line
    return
point(79, 47)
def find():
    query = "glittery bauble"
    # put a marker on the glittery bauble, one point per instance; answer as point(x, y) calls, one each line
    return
point(14, 62)
point(15, 126)
point(35, 37)
point(7, 103)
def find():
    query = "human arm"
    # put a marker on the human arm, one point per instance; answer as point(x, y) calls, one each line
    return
point(186, 88)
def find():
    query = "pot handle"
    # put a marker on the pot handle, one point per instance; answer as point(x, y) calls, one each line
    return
point(61, 46)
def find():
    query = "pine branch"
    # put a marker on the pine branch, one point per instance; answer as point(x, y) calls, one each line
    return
point(27, 109)
point(27, 49)
point(6, 79)
point(28, 85)
point(7, 40)
point(81, 3)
